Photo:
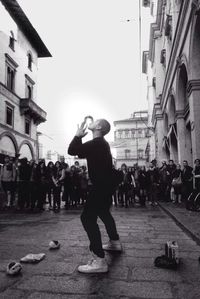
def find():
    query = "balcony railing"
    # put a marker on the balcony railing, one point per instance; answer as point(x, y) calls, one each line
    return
point(29, 107)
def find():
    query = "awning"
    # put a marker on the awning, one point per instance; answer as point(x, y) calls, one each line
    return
point(165, 144)
point(172, 130)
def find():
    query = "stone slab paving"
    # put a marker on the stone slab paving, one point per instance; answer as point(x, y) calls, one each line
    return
point(132, 274)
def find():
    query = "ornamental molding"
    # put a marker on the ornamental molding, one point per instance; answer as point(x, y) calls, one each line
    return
point(192, 86)
point(179, 114)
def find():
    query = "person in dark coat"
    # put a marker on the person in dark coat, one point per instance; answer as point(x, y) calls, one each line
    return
point(187, 179)
point(24, 173)
point(152, 184)
point(197, 174)
point(99, 161)
point(142, 180)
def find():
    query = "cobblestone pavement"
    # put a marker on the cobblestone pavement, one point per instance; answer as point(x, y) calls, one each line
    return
point(132, 274)
point(188, 220)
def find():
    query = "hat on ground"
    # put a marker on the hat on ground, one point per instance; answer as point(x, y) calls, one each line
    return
point(54, 244)
point(13, 268)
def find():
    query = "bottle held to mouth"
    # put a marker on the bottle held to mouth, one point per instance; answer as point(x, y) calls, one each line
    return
point(87, 120)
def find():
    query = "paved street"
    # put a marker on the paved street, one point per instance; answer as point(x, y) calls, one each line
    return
point(132, 274)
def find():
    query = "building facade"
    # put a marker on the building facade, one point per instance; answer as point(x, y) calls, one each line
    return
point(174, 58)
point(131, 138)
point(20, 48)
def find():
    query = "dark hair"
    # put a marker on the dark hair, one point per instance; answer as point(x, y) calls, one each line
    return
point(50, 162)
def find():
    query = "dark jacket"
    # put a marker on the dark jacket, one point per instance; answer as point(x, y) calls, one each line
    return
point(99, 159)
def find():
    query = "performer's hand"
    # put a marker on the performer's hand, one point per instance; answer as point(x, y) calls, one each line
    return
point(81, 130)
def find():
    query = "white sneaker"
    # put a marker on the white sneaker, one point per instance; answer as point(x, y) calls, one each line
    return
point(113, 245)
point(97, 265)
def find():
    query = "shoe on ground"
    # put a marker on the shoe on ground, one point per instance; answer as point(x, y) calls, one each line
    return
point(13, 268)
point(113, 246)
point(54, 244)
point(96, 265)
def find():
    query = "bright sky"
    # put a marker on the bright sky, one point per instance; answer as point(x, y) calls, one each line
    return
point(95, 64)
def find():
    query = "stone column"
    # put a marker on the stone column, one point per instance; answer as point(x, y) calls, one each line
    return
point(194, 104)
point(183, 148)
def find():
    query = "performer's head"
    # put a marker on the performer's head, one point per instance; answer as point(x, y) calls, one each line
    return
point(100, 126)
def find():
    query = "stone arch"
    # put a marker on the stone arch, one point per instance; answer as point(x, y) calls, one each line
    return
point(13, 139)
point(183, 118)
point(181, 90)
point(194, 54)
point(26, 142)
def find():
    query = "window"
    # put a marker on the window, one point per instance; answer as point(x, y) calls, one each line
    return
point(30, 61)
point(29, 92)
point(10, 78)
point(152, 8)
point(120, 134)
point(11, 66)
point(126, 133)
point(127, 153)
point(27, 126)
point(29, 87)
point(163, 57)
point(140, 153)
point(132, 133)
point(139, 133)
point(12, 41)
point(146, 3)
point(168, 27)
point(154, 82)
point(9, 116)
point(145, 62)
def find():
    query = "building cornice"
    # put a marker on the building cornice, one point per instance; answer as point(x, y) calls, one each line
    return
point(26, 27)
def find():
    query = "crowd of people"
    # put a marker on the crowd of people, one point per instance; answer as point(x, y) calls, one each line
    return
point(28, 185)
point(170, 182)
point(32, 186)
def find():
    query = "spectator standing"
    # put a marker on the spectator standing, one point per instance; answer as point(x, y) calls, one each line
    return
point(33, 184)
point(152, 184)
point(177, 175)
point(142, 180)
point(171, 167)
point(67, 187)
point(24, 173)
point(75, 186)
point(164, 182)
point(187, 179)
point(58, 179)
point(8, 178)
point(197, 174)
point(42, 184)
point(50, 183)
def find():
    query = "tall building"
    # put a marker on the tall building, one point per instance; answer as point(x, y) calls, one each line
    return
point(174, 56)
point(131, 137)
point(20, 48)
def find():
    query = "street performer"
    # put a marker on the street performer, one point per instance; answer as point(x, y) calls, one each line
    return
point(99, 160)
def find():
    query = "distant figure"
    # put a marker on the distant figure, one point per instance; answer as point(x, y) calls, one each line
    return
point(99, 159)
